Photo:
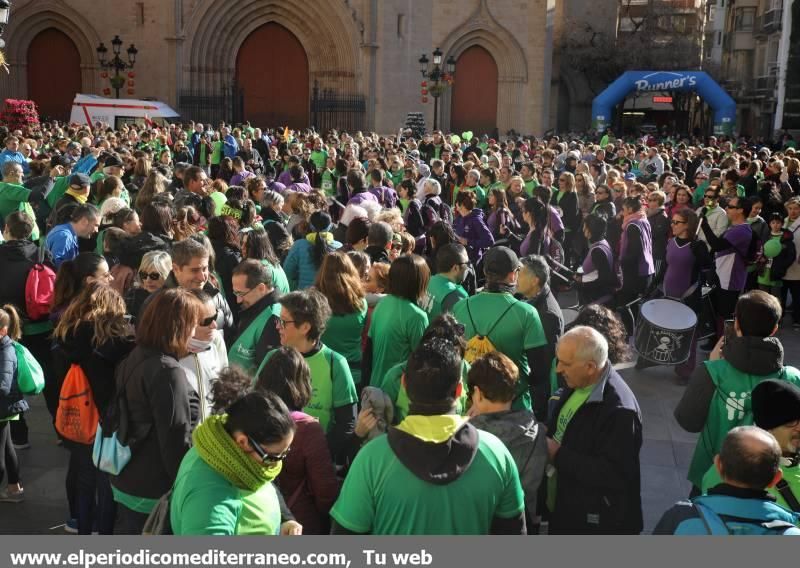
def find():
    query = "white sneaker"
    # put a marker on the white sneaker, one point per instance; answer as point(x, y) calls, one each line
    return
point(7, 496)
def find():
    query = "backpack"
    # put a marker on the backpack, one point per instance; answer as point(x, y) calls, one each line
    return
point(716, 526)
point(40, 286)
point(480, 344)
point(77, 416)
point(30, 376)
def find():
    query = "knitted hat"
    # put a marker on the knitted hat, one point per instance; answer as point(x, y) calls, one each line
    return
point(775, 403)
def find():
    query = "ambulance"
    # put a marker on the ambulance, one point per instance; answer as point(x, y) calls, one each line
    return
point(91, 109)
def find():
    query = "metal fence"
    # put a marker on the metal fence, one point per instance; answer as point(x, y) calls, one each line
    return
point(225, 106)
point(330, 109)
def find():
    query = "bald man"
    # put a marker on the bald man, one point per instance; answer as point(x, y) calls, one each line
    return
point(748, 464)
point(593, 482)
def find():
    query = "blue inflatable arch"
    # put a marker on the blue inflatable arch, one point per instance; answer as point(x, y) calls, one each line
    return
point(721, 103)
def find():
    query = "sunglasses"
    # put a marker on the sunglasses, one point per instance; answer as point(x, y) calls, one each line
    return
point(209, 320)
point(265, 456)
point(734, 207)
point(149, 276)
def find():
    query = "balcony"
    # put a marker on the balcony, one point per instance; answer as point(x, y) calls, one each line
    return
point(768, 23)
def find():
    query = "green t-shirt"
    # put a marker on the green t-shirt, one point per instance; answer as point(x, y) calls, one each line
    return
point(204, 502)
point(517, 331)
point(396, 328)
point(331, 384)
point(382, 496)
point(440, 288)
point(530, 185)
point(328, 182)
point(568, 410)
point(279, 280)
point(216, 152)
point(319, 157)
point(11, 195)
point(343, 335)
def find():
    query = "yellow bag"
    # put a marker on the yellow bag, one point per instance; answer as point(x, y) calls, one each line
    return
point(480, 344)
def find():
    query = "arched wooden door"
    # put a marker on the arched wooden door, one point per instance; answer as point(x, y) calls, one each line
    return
point(54, 73)
point(272, 71)
point(474, 98)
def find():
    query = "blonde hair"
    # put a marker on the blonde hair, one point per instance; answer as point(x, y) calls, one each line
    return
point(9, 319)
point(157, 260)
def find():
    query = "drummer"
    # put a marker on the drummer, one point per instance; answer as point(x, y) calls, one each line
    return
point(599, 280)
point(686, 258)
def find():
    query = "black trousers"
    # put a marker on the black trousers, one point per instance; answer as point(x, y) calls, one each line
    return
point(793, 288)
point(9, 464)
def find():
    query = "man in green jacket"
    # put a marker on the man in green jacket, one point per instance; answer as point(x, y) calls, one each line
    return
point(12, 192)
point(776, 408)
point(718, 397)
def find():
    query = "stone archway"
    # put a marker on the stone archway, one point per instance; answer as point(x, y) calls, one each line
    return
point(54, 51)
point(39, 16)
point(331, 39)
point(474, 100)
point(283, 100)
point(482, 29)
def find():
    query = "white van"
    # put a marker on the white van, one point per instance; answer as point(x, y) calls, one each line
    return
point(91, 109)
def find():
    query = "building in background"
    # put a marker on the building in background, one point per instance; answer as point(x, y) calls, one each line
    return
point(338, 63)
point(597, 41)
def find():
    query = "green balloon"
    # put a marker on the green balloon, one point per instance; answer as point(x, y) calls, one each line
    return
point(466, 135)
point(772, 248)
point(454, 139)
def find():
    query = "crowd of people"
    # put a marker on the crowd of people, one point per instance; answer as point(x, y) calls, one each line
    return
point(277, 332)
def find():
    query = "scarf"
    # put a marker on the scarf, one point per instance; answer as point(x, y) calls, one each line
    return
point(218, 450)
point(312, 237)
point(432, 429)
point(79, 197)
point(632, 217)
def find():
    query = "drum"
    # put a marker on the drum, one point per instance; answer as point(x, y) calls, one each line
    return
point(570, 315)
point(664, 332)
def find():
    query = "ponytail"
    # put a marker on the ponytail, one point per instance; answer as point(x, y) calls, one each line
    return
point(320, 223)
point(9, 318)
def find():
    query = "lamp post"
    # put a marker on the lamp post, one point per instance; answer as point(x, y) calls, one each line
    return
point(5, 12)
point(439, 76)
point(117, 64)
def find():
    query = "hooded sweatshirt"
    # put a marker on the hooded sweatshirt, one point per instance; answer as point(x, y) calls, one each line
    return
point(462, 480)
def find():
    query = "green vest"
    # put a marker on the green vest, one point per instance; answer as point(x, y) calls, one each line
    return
point(243, 350)
point(730, 407)
point(439, 288)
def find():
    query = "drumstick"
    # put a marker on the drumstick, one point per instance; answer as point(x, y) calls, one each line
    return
point(559, 265)
point(564, 278)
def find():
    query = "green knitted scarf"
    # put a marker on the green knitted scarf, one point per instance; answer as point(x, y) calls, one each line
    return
point(218, 449)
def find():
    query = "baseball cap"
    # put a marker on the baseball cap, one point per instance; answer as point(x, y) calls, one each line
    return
point(630, 176)
point(500, 261)
point(112, 161)
point(79, 180)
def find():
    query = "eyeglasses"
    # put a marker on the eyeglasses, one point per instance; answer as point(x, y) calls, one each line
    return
point(676, 222)
point(283, 322)
point(729, 206)
point(265, 456)
point(242, 294)
point(149, 275)
point(209, 320)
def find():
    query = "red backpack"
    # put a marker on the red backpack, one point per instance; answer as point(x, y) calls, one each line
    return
point(39, 289)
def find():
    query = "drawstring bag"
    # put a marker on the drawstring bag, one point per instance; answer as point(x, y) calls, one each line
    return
point(30, 376)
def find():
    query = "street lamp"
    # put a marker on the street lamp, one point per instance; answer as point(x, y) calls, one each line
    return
point(117, 64)
point(5, 12)
point(441, 78)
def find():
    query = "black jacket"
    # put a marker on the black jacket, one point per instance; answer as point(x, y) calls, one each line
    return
point(377, 254)
point(135, 300)
point(97, 362)
point(226, 259)
point(11, 399)
point(270, 338)
point(660, 231)
point(571, 213)
point(161, 419)
point(599, 486)
point(16, 260)
point(133, 249)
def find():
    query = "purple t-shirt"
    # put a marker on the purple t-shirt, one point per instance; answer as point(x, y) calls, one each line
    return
point(730, 263)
